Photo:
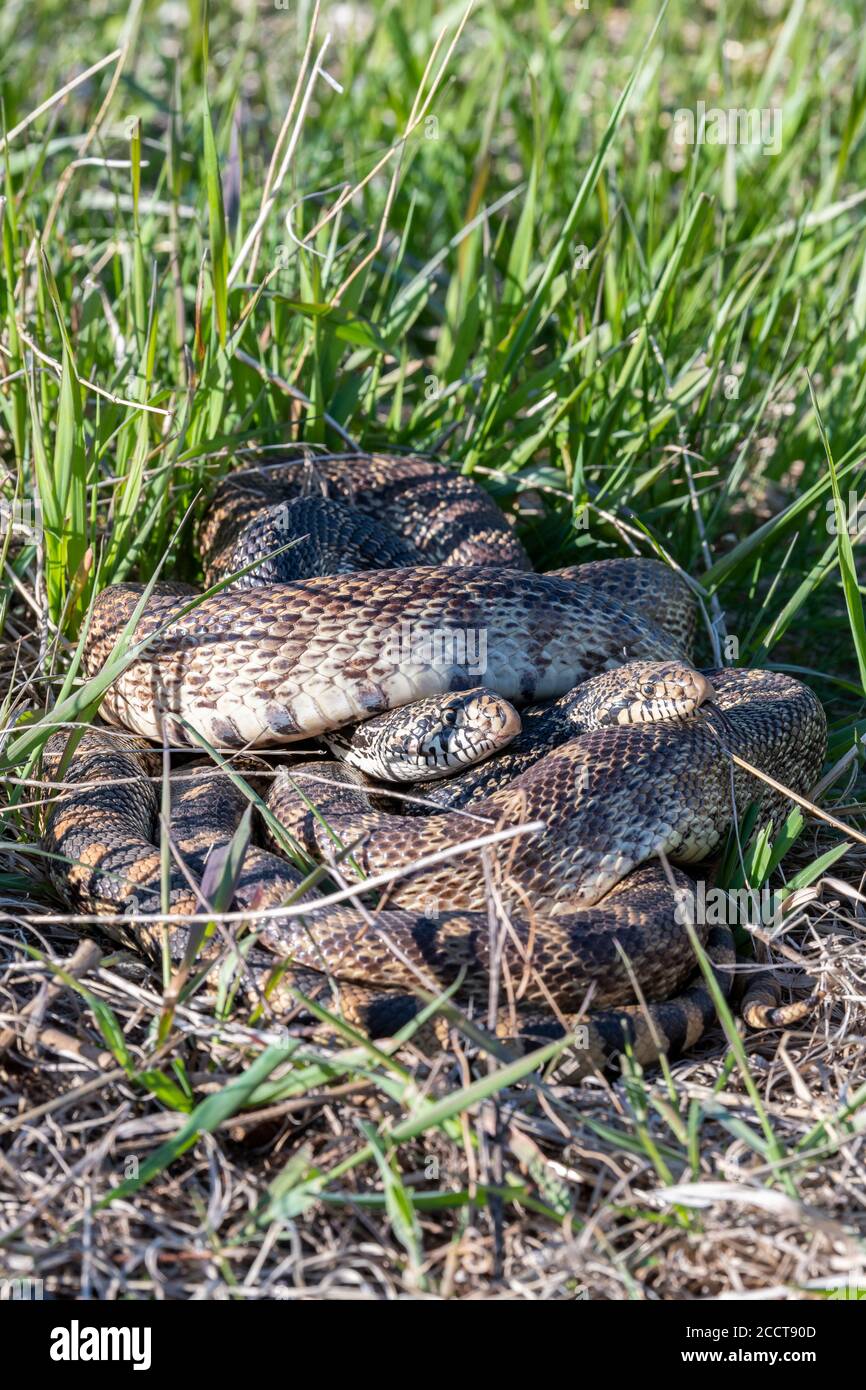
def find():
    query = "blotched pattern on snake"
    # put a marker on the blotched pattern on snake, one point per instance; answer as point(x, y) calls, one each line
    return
point(393, 584)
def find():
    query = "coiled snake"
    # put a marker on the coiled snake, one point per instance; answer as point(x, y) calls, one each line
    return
point(433, 595)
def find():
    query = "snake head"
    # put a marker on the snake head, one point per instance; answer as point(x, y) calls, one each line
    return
point(449, 732)
point(646, 692)
point(430, 738)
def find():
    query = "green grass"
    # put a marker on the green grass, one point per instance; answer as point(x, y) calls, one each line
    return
point(486, 245)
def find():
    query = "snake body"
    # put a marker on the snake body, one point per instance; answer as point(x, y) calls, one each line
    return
point(286, 662)
point(442, 517)
point(445, 733)
point(275, 660)
point(610, 800)
point(634, 693)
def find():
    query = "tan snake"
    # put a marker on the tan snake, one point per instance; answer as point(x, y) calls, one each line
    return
point(269, 663)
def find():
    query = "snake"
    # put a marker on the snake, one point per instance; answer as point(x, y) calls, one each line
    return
point(348, 598)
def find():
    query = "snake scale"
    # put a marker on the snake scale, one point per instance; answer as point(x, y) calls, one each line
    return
point(372, 586)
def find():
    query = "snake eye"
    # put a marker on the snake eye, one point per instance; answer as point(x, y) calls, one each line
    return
point(450, 717)
point(648, 690)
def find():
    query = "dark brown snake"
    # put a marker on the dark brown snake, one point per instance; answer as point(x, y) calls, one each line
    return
point(274, 660)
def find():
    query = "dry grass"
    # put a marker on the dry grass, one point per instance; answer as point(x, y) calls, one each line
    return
point(594, 1181)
